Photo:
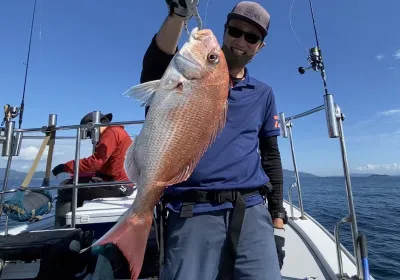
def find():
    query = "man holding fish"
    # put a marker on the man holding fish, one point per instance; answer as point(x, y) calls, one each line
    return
point(194, 242)
point(209, 149)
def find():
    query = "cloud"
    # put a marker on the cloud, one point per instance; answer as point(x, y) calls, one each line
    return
point(390, 113)
point(386, 116)
point(380, 167)
point(379, 57)
point(30, 152)
point(64, 151)
point(396, 55)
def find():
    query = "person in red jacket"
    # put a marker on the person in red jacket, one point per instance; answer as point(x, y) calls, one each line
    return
point(105, 164)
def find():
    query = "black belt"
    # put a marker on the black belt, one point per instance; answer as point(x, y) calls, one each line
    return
point(189, 198)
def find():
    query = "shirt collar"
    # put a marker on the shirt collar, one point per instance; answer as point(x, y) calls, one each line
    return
point(246, 81)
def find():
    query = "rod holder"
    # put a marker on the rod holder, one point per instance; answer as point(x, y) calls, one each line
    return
point(282, 122)
point(52, 120)
point(96, 130)
point(331, 116)
point(16, 148)
point(9, 132)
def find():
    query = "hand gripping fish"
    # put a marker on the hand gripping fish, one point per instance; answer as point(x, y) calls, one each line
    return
point(188, 107)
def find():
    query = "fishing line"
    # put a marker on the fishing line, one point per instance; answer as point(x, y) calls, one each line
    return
point(40, 25)
point(291, 26)
point(205, 14)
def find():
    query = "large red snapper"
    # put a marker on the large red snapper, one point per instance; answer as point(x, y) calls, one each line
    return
point(188, 107)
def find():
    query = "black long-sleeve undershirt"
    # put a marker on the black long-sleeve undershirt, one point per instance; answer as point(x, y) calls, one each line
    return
point(272, 165)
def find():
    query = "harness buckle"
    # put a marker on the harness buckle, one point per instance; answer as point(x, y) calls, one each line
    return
point(225, 196)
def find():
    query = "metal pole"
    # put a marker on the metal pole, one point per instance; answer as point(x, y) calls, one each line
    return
point(338, 249)
point(51, 124)
point(296, 171)
point(291, 201)
point(306, 113)
point(330, 113)
point(76, 176)
point(352, 212)
point(7, 151)
point(5, 181)
point(9, 138)
point(68, 127)
point(96, 130)
point(52, 120)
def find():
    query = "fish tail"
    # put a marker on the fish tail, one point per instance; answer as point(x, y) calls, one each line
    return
point(131, 238)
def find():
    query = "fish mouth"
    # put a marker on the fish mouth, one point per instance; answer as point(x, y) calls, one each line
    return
point(183, 65)
point(199, 34)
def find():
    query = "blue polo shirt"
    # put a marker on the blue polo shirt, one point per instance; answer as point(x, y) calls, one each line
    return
point(233, 160)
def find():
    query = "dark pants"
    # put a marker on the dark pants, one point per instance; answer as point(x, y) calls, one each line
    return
point(64, 199)
point(193, 246)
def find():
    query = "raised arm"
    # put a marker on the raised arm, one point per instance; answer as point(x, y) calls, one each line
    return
point(164, 44)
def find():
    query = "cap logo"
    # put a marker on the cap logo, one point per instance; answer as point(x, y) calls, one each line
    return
point(251, 13)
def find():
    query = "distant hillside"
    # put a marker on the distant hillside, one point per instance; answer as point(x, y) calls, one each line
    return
point(362, 175)
point(290, 173)
point(18, 175)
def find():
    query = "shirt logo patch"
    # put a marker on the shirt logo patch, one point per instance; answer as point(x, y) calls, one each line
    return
point(277, 125)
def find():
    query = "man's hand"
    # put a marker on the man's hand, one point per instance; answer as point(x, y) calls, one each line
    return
point(279, 234)
point(58, 169)
point(177, 7)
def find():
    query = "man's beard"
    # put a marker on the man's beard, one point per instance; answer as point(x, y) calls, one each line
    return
point(235, 61)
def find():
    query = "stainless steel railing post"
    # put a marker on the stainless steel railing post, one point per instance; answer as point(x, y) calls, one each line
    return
point(296, 173)
point(349, 192)
point(76, 176)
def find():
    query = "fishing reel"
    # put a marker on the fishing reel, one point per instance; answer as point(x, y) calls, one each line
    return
point(315, 60)
point(10, 112)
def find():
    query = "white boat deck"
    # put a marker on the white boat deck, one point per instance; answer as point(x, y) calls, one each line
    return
point(310, 249)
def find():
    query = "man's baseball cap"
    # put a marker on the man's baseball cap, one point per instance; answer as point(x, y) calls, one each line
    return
point(253, 13)
point(89, 117)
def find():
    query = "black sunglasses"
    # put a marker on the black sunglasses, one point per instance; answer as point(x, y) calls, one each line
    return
point(237, 33)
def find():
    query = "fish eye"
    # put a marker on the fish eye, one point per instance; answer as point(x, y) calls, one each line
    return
point(212, 57)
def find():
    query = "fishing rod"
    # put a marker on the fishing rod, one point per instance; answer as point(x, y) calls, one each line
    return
point(335, 127)
point(315, 55)
point(21, 108)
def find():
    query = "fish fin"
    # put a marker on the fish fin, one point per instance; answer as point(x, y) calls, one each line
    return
point(131, 236)
point(221, 122)
point(143, 92)
point(130, 166)
point(187, 171)
point(184, 175)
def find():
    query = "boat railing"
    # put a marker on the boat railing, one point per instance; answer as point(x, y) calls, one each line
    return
point(334, 119)
point(11, 141)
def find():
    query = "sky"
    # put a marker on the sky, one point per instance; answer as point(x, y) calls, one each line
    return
point(85, 54)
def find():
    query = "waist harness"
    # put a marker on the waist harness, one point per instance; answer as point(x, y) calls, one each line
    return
point(236, 197)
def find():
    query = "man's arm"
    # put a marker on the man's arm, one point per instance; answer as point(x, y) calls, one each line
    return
point(271, 158)
point(104, 149)
point(162, 48)
point(272, 165)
